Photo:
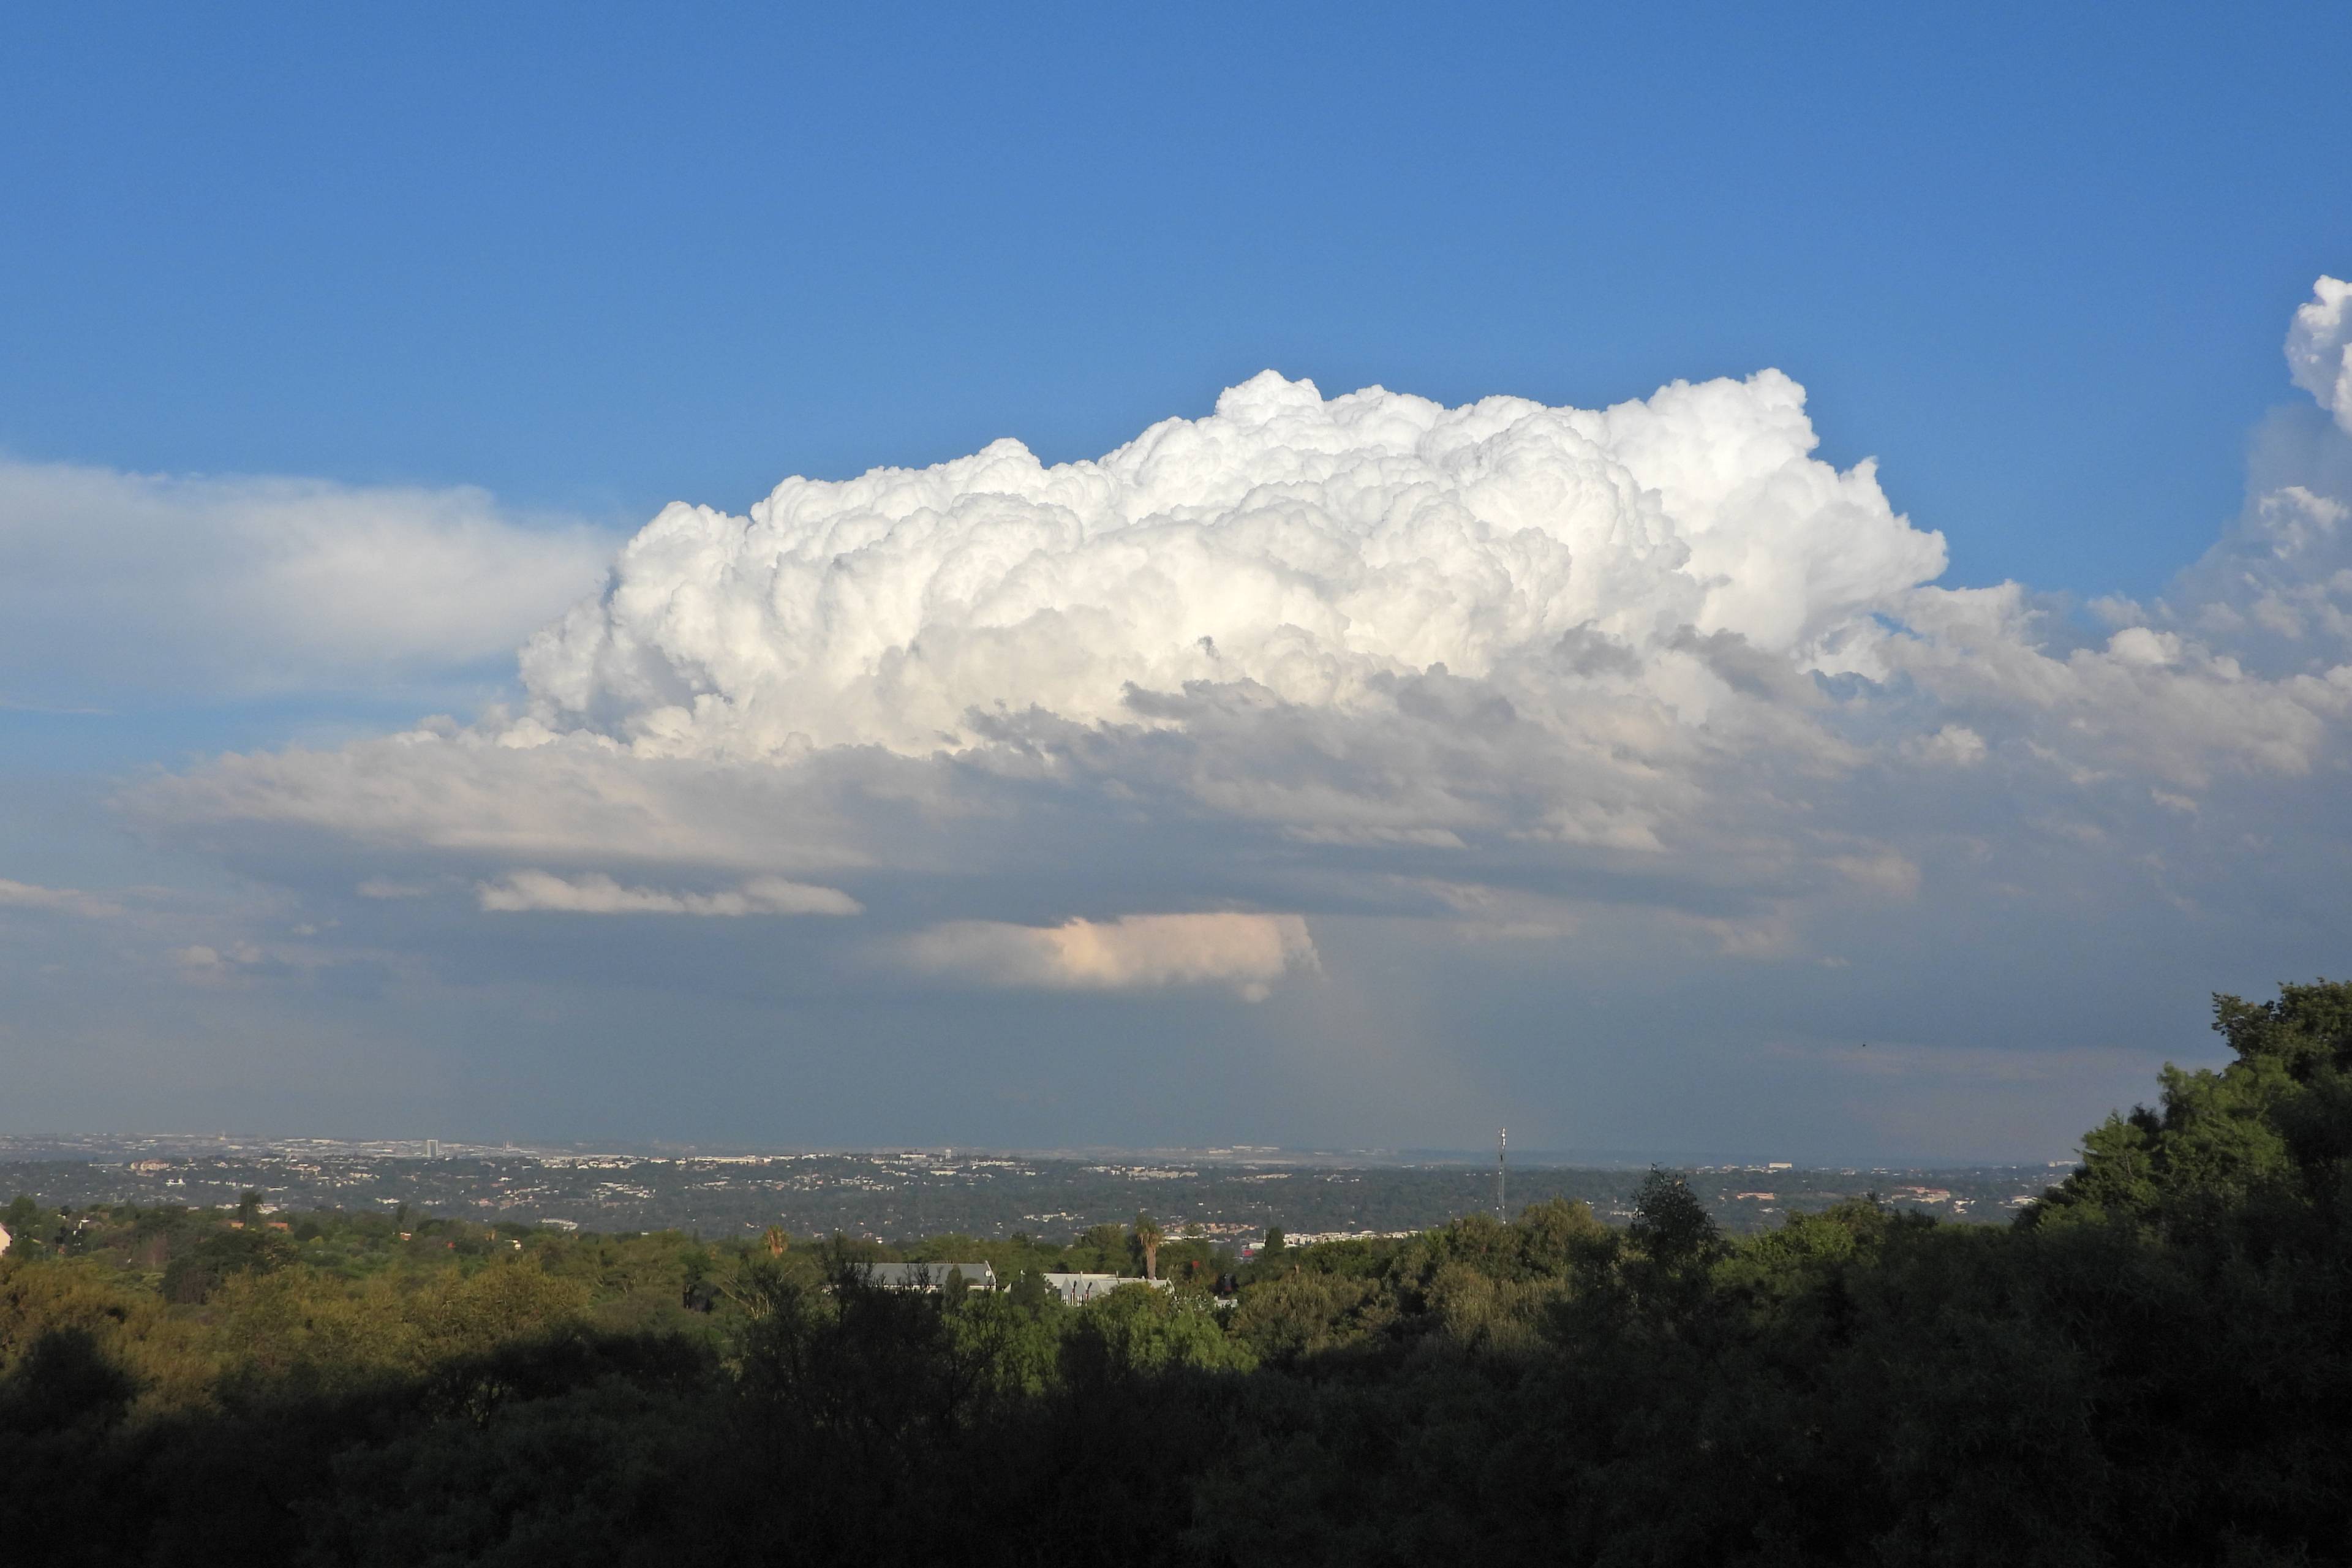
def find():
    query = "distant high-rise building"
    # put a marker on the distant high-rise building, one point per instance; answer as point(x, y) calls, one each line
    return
point(433, 1148)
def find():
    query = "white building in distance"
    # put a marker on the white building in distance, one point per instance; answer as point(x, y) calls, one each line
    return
point(1077, 1289)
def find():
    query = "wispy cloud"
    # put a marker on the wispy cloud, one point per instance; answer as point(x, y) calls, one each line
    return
point(597, 894)
point(68, 713)
point(145, 586)
point(59, 901)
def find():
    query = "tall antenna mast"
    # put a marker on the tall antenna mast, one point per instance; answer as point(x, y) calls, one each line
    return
point(1502, 1174)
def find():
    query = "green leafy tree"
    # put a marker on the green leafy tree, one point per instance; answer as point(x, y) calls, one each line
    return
point(1292, 1316)
point(1671, 1226)
point(194, 1275)
point(2273, 1124)
point(1136, 1332)
point(1100, 1247)
point(1553, 1234)
point(1031, 1293)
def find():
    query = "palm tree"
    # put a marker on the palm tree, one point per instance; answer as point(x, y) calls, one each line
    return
point(1147, 1238)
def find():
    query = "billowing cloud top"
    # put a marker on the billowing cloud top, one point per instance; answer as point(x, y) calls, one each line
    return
point(1303, 545)
point(2319, 348)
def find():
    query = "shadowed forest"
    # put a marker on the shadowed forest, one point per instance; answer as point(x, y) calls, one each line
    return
point(2152, 1365)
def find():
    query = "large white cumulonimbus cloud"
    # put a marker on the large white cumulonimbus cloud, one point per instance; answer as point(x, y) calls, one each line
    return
point(1306, 546)
point(1520, 670)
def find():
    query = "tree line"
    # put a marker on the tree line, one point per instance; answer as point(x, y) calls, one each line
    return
point(2149, 1366)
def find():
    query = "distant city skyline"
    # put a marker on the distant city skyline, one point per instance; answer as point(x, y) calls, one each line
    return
point(902, 1196)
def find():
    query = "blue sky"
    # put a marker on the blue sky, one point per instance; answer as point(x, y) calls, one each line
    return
point(488, 290)
point(602, 258)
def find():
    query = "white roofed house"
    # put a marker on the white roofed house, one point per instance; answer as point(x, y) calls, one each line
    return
point(1077, 1289)
point(930, 1276)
